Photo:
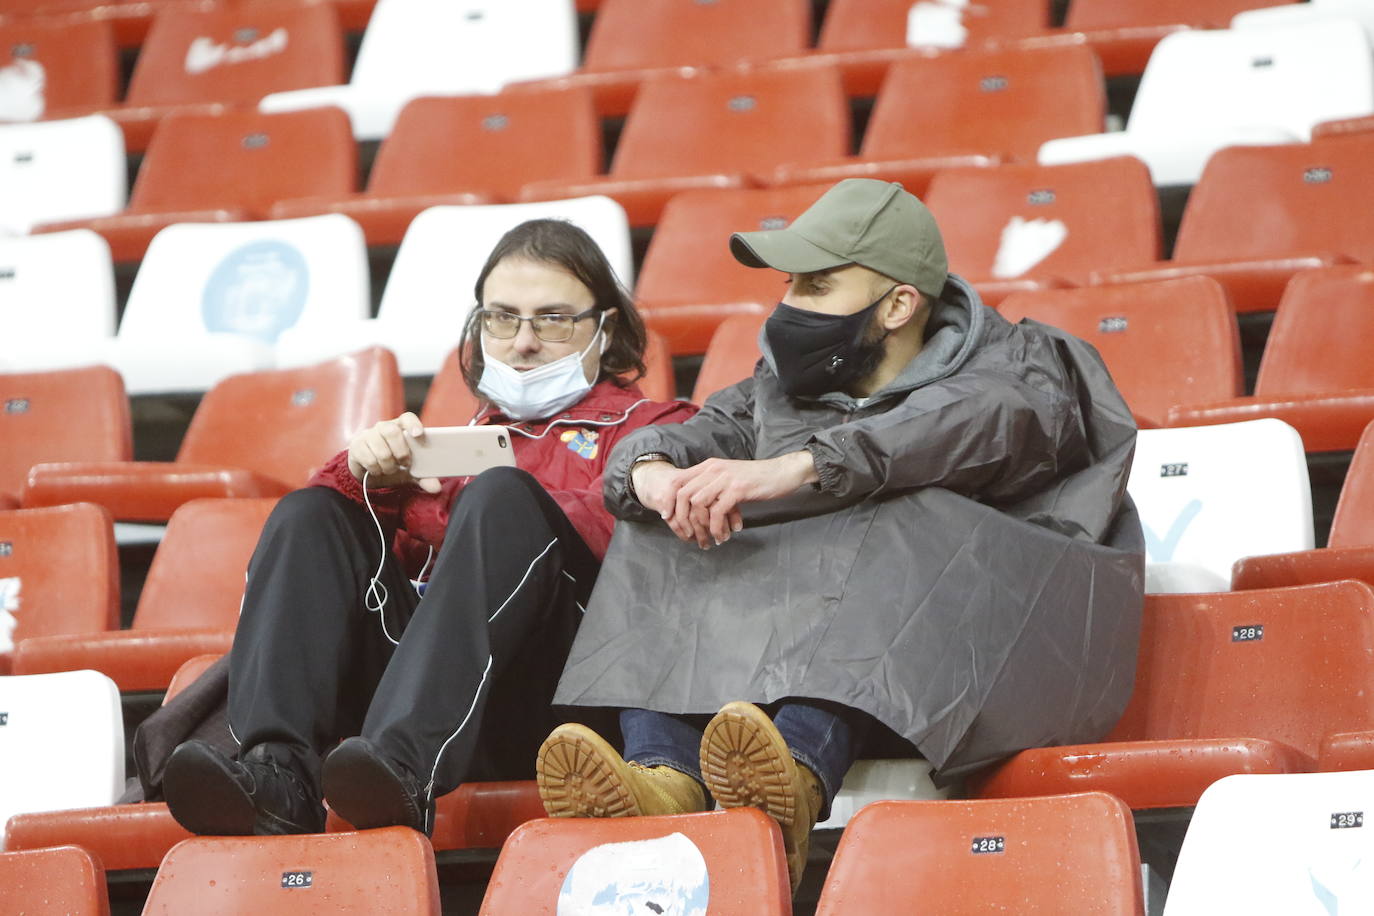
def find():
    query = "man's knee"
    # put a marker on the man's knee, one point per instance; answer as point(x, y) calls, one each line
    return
point(310, 506)
point(498, 488)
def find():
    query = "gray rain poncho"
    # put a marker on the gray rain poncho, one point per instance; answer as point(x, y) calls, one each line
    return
point(969, 570)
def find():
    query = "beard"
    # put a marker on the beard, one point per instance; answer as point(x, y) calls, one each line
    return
point(868, 354)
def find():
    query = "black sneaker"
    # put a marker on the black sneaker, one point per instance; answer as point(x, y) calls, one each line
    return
point(211, 795)
point(368, 790)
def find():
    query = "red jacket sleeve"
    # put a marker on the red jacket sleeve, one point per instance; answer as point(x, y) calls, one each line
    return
point(586, 508)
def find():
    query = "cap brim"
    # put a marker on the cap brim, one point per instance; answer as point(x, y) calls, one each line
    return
point(784, 250)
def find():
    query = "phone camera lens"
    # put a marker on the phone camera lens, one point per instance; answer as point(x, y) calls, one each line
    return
point(501, 441)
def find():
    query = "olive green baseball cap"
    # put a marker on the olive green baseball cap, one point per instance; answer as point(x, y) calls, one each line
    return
point(876, 224)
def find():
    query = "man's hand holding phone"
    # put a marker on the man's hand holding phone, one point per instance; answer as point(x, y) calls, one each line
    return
point(384, 454)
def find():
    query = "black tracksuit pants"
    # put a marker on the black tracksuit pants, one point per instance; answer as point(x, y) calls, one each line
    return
point(454, 685)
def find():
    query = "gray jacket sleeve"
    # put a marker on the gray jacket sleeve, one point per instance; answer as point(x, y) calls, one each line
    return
point(985, 434)
point(724, 428)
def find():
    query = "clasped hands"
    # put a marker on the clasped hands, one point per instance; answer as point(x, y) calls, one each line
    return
point(701, 503)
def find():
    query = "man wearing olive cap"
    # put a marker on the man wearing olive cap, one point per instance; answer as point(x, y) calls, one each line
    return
point(913, 512)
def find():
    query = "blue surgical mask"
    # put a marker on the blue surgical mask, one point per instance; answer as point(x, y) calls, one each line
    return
point(537, 393)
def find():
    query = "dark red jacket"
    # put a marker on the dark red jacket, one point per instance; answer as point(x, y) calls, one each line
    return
point(566, 453)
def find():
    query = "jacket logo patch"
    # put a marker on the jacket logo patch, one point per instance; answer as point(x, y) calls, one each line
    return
point(581, 441)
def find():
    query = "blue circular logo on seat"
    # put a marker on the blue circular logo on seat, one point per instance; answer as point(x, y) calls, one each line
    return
point(258, 290)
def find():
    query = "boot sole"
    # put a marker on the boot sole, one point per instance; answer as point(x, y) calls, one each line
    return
point(363, 790)
point(204, 797)
point(580, 775)
point(745, 762)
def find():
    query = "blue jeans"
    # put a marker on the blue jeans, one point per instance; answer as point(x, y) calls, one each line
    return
point(822, 736)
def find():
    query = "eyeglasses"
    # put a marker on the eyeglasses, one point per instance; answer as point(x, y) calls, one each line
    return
point(548, 328)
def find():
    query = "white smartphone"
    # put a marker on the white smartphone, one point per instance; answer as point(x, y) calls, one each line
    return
point(460, 451)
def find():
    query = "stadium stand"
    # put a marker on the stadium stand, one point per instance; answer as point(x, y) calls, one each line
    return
point(634, 40)
point(1349, 553)
point(864, 37)
point(1018, 227)
point(67, 415)
point(1260, 214)
point(1165, 343)
point(310, 412)
point(188, 606)
point(221, 168)
point(733, 858)
point(968, 108)
point(59, 574)
point(56, 70)
point(1209, 495)
point(690, 282)
point(1067, 854)
point(1296, 13)
point(60, 170)
point(723, 129)
point(1226, 683)
point(1206, 90)
point(415, 48)
point(63, 742)
point(211, 299)
point(387, 870)
point(432, 280)
point(130, 19)
point(57, 285)
point(1316, 373)
point(208, 60)
point(62, 879)
point(1287, 843)
point(467, 150)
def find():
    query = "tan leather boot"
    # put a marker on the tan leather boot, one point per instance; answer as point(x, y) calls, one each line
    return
point(580, 775)
point(744, 761)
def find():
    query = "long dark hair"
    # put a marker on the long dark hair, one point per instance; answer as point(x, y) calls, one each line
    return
point(563, 245)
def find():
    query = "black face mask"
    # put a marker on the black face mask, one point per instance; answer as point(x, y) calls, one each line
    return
point(815, 353)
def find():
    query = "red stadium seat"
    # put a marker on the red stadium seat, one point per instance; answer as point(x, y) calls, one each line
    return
point(62, 415)
point(476, 815)
point(189, 605)
point(1065, 854)
point(387, 870)
point(1316, 373)
point(1027, 226)
point(969, 108)
point(690, 282)
point(63, 879)
point(130, 19)
point(725, 129)
point(208, 60)
point(633, 40)
point(1349, 553)
point(1228, 682)
point(1342, 126)
point(1260, 214)
point(732, 355)
point(1166, 343)
point(256, 434)
point(734, 856)
point(1124, 32)
point(467, 150)
point(68, 568)
point(863, 37)
point(228, 167)
point(71, 68)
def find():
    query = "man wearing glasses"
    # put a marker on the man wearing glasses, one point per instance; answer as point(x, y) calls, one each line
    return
point(429, 618)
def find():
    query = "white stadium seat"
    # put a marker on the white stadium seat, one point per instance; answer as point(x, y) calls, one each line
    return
point(1206, 89)
point(61, 742)
point(210, 300)
point(59, 170)
point(1300, 844)
point(54, 288)
point(1210, 495)
point(414, 48)
point(430, 292)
